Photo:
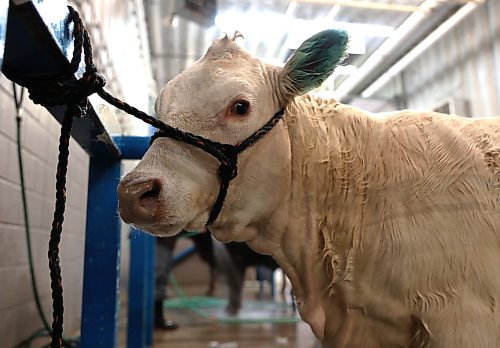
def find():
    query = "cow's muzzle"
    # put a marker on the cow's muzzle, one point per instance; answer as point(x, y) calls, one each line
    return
point(139, 200)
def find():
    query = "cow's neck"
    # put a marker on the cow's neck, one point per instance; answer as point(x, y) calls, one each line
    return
point(321, 143)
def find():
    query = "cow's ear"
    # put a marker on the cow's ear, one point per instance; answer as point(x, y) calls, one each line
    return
point(313, 62)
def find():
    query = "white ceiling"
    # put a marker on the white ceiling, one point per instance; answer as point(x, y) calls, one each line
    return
point(273, 28)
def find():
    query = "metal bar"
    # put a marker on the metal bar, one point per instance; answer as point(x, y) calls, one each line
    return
point(39, 43)
point(140, 299)
point(100, 302)
point(132, 147)
point(183, 255)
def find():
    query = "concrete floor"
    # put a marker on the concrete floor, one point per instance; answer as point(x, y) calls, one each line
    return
point(206, 331)
point(198, 331)
point(213, 335)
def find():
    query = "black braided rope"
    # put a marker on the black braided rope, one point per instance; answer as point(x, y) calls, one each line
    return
point(212, 147)
point(252, 139)
point(65, 89)
point(57, 90)
point(55, 233)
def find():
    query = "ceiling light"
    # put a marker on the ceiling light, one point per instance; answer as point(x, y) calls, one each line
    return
point(345, 70)
point(175, 21)
point(291, 9)
point(333, 12)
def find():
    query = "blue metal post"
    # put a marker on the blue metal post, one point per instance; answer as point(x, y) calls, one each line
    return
point(140, 291)
point(102, 258)
point(150, 289)
point(142, 264)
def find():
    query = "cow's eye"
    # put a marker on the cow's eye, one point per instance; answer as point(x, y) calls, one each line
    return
point(240, 108)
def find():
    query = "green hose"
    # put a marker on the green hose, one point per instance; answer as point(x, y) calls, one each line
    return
point(188, 234)
point(27, 230)
point(186, 300)
point(196, 307)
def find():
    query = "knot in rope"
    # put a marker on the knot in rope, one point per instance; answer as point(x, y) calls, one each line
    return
point(228, 169)
point(90, 83)
point(64, 88)
point(227, 172)
point(67, 90)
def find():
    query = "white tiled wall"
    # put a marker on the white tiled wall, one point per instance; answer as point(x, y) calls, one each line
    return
point(40, 138)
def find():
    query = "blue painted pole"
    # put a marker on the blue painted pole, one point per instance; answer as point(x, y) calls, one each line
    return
point(100, 301)
point(142, 264)
point(140, 291)
point(150, 290)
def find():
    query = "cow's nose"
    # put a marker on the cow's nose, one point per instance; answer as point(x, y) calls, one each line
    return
point(138, 200)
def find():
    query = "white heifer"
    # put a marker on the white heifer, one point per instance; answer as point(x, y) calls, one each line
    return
point(388, 228)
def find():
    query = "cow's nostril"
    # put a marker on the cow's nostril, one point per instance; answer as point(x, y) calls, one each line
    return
point(149, 198)
point(139, 199)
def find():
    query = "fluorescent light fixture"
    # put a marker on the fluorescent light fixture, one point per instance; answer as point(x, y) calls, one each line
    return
point(345, 70)
point(357, 44)
point(291, 9)
point(170, 21)
point(419, 49)
point(333, 12)
point(372, 30)
point(175, 21)
point(380, 55)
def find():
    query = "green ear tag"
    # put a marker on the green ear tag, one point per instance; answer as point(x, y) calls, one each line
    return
point(316, 59)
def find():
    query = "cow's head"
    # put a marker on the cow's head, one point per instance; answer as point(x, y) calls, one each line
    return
point(225, 97)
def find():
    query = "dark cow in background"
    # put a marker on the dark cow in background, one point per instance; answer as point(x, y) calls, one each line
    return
point(231, 260)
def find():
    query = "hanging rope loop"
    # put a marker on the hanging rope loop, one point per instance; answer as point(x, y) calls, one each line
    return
point(62, 89)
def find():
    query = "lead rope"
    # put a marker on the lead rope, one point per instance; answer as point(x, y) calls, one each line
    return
point(65, 89)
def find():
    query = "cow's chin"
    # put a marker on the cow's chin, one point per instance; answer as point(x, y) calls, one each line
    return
point(234, 233)
point(164, 230)
point(198, 223)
